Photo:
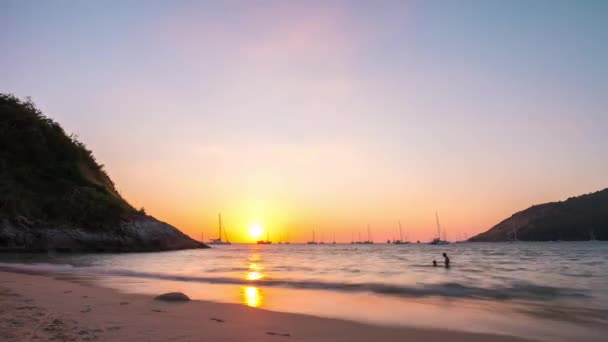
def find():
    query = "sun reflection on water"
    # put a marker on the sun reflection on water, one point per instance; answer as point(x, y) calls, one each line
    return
point(255, 270)
point(252, 296)
point(255, 266)
point(254, 276)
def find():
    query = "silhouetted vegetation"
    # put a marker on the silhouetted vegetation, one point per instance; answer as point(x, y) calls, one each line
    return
point(46, 175)
point(578, 218)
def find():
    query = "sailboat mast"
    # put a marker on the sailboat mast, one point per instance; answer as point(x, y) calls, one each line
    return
point(438, 226)
point(400, 231)
point(368, 234)
point(219, 215)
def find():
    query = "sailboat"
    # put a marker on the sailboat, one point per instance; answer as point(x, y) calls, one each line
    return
point(400, 241)
point(369, 239)
point(592, 235)
point(313, 242)
point(359, 241)
point(219, 240)
point(514, 235)
point(437, 240)
point(267, 242)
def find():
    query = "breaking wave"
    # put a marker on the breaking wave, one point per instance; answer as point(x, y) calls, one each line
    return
point(512, 291)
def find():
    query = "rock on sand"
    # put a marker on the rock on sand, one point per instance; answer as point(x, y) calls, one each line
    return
point(173, 297)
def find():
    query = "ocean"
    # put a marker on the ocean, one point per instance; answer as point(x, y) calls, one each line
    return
point(553, 291)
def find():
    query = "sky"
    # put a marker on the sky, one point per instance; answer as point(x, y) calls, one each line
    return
point(327, 115)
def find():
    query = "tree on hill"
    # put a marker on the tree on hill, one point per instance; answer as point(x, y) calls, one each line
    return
point(49, 176)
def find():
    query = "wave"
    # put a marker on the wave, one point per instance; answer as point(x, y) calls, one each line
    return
point(512, 291)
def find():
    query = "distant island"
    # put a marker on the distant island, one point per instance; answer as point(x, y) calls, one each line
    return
point(575, 219)
point(54, 196)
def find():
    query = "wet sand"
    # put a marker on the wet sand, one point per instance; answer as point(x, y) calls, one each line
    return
point(36, 307)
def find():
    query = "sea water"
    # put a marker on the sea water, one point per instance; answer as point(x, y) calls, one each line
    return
point(548, 291)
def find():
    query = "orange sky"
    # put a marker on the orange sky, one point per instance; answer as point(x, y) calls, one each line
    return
point(340, 199)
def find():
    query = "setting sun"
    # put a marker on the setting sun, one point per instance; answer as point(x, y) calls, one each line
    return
point(255, 231)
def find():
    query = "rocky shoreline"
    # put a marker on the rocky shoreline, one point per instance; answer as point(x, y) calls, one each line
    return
point(139, 233)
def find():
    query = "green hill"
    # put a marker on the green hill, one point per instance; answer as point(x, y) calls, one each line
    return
point(576, 219)
point(49, 180)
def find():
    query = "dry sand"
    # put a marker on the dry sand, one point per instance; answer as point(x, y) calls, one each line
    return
point(57, 308)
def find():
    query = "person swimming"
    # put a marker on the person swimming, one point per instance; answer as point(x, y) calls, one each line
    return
point(446, 260)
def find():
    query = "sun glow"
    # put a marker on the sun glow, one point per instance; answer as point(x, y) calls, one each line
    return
point(256, 231)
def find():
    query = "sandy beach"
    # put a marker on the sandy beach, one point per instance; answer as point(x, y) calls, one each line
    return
point(36, 307)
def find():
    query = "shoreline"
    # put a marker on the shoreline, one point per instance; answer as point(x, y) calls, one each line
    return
point(47, 306)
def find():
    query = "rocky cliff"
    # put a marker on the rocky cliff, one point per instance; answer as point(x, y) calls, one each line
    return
point(575, 219)
point(136, 234)
point(55, 196)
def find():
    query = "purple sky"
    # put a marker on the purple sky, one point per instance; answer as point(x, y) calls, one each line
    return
point(324, 114)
